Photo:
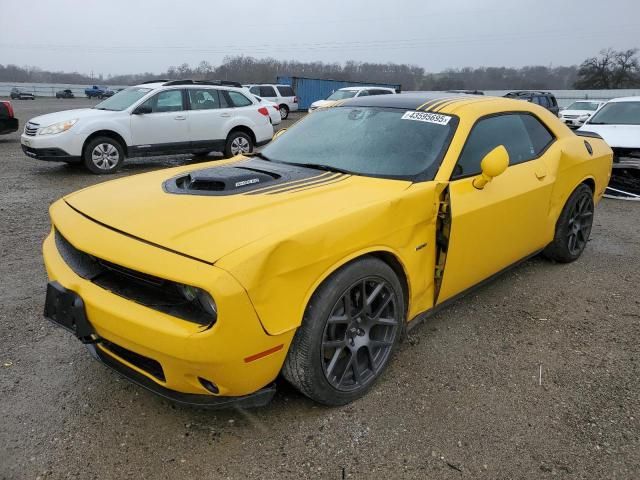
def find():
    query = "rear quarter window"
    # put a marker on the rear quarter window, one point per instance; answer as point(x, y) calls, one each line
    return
point(286, 91)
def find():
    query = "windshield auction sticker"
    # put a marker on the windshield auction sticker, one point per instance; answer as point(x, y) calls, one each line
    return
point(426, 117)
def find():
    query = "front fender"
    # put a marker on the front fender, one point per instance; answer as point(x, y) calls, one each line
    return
point(282, 272)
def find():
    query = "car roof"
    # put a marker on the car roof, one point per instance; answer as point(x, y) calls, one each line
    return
point(365, 87)
point(626, 99)
point(441, 102)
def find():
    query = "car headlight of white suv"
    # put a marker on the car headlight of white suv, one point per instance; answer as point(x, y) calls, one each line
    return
point(57, 127)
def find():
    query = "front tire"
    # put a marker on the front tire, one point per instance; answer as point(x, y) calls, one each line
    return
point(103, 155)
point(238, 143)
point(348, 334)
point(573, 227)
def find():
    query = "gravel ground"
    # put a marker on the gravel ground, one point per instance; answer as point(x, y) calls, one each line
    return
point(461, 399)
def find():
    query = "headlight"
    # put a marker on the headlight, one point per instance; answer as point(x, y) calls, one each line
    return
point(58, 127)
point(583, 117)
point(198, 297)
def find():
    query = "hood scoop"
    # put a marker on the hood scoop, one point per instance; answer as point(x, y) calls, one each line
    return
point(221, 181)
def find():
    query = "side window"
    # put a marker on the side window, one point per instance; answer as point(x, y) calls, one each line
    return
point(255, 90)
point(364, 93)
point(536, 100)
point(553, 101)
point(544, 101)
point(204, 99)
point(540, 137)
point(267, 92)
point(522, 135)
point(238, 100)
point(167, 101)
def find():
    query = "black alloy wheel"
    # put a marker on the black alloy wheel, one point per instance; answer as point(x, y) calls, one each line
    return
point(359, 334)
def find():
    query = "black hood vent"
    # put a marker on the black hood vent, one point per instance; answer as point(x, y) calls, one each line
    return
point(241, 177)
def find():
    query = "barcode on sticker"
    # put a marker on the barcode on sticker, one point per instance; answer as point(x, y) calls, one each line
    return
point(426, 117)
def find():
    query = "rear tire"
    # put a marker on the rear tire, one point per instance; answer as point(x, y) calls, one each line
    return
point(573, 227)
point(238, 143)
point(284, 112)
point(103, 155)
point(348, 334)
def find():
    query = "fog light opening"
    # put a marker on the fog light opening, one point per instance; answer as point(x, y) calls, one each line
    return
point(209, 385)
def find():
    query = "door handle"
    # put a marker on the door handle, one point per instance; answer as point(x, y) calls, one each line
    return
point(225, 114)
point(180, 117)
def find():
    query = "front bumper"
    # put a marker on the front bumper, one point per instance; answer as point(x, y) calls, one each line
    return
point(185, 352)
point(61, 147)
point(572, 122)
point(50, 154)
point(259, 398)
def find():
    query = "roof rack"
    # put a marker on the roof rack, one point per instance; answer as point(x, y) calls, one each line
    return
point(203, 82)
point(154, 81)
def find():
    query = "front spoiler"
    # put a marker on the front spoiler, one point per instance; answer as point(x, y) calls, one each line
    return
point(257, 399)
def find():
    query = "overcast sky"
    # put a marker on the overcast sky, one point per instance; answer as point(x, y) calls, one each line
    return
point(117, 36)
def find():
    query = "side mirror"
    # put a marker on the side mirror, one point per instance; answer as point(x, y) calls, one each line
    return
point(141, 110)
point(493, 164)
point(278, 133)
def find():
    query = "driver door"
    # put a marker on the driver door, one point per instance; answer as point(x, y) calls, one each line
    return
point(165, 128)
point(493, 228)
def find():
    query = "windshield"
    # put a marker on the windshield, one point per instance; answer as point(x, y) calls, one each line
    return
point(618, 113)
point(342, 94)
point(385, 142)
point(123, 99)
point(590, 106)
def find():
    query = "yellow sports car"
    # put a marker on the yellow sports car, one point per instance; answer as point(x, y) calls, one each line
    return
point(204, 283)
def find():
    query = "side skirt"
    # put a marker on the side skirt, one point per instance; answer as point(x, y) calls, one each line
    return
point(421, 317)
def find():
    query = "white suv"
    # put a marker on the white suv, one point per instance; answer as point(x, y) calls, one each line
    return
point(281, 95)
point(154, 118)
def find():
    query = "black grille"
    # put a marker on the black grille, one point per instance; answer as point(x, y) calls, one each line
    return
point(147, 364)
point(148, 290)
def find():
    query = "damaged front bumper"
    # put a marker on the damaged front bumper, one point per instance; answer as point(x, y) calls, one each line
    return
point(625, 175)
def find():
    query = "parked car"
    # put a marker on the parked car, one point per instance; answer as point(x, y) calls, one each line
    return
point(350, 92)
point(65, 94)
point(181, 116)
point(97, 91)
point(21, 94)
point(281, 95)
point(579, 112)
point(204, 283)
point(544, 99)
point(274, 110)
point(618, 123)
point(8, 120)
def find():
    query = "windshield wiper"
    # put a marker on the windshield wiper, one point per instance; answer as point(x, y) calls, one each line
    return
point(316, 166)
point(598, 123)
point(319, 166)
point(262, 156)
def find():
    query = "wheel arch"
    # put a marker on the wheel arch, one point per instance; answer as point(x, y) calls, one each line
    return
point(387, 255)
point(245, 129)
point(106, 133)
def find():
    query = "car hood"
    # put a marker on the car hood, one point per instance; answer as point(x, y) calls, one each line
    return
point(620, 136)
point(206, 224)
point(51, 118)
point(576, 112)
point(323, 103)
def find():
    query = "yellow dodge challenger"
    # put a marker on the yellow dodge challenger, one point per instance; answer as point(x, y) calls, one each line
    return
point(309, 260)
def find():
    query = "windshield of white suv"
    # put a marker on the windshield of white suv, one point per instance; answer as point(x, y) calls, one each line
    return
point(380, 142)
point(123, 99)
point(591, 106)
point(342, 94)
point(617, 113)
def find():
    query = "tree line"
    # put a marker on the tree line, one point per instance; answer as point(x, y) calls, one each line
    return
point(609, 69)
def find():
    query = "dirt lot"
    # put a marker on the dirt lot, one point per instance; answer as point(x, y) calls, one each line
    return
point(461, 399)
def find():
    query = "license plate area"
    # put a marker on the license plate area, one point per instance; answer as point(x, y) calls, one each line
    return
point(66, 309)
